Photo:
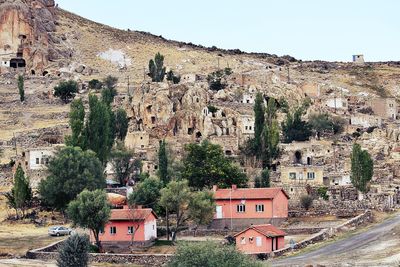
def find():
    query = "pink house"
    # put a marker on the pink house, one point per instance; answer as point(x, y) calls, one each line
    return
point(237, 208)
point(129, 226)
point(260, 239)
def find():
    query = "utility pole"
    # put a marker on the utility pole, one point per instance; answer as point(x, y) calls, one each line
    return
point(288, 73)
point(218, 62)
point(15, 145)
point(129, 93)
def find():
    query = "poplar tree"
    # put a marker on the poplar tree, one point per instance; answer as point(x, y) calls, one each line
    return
point(121, 124)
point(21, 88)
point(76, 123)
point(21, 193)
point(362, 168)
point(163, 163)
point(259, 120)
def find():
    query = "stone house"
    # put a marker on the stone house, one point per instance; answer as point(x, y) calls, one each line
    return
point(259, 239)
point(138, 140)
point(237, 208)
point(387, 108)
point(337, 103)
point(38, 158)
point(358, 59)
point(311, 175)
point(247, 124)
point(365, 120)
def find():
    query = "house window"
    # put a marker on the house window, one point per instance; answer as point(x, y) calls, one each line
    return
point(101, 232)
point(310, 175)
point(292, 175)
point(42, 161)
point(243, 240)
point(260, 208)
point(245, 127)
point(113, 230)
point(258, 241)
point(251, 240)
point(130, 230)
point(37, 160)
point(241, 208)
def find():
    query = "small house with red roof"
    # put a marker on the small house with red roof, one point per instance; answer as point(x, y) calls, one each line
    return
point(258, 239)
point(237, 208)
point(129, 227)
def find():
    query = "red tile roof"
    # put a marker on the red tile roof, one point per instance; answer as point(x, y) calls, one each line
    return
point(248, 193)
point(130, 214)
point(265, 229)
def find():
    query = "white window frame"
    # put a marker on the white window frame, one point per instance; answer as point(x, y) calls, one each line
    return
point(131, 230)
point(310, 175)
point(243, 240)
point(111, 230)
point(241, 208)
point(259, 207)
point(258, 241)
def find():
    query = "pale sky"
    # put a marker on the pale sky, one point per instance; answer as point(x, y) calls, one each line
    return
point(330, 30)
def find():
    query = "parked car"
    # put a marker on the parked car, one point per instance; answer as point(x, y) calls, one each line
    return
point(59, 230)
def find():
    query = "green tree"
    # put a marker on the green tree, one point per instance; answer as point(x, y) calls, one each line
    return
point(257, 182)
point(21, 88)
point(306, 201)
point(259, 120)
point(172, 77)
point(265, 180)
point(76, 123)
point(177, 198)
point(90, 210)
point(163, 163)
point(205, 165)
point(70, 172)
point(95, 84)
point(123, 163)
point(108, 95)
point(110, 82)
point(66, 90)
point(73, 252)
point(99, 129)
point(215, 80)
point(210, 254)
point(323, 123)
point(20, 197)
point(156, 68)
point(147, 193)
point(362, 168)
point(294, 128)
point(121, 124)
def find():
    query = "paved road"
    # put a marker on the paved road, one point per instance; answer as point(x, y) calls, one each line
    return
point(355, 250)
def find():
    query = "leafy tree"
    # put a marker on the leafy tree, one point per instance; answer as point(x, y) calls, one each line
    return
point(110, 82)
point(20, 197)
point(362, 168)
point(205, 165)
point(323, 192)
point(76, 123)
point(265, 180)
point(95, 84)
point(306, 201)
point(215, 80)
point(107, 95)
point(147, 193)
point(70, 172)
point(257, 182)
point(66, 90)
point(21, 88)
point(73, 252)
point(90, 210)
point(177, 198)
point(323, 123)
point(163, 163)
point(123, 163)
point(172, 77)
point(156, 68)
point(99, 129)
point(210, 254)
point(294, 128)
point(121, 124)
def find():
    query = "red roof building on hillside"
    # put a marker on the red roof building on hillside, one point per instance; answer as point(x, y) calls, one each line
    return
point(258, 239)
point(129, 227)
point(238, 208)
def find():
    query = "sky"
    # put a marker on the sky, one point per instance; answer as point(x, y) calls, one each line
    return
point(331, 30)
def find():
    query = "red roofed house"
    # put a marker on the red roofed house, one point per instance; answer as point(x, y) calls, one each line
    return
point(127, 223)
point(237, 208)
point(260, 239)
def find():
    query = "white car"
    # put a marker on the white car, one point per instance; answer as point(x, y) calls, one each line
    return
point(59, 230)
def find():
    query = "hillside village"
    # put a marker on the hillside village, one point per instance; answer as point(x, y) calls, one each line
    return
point(303, 192)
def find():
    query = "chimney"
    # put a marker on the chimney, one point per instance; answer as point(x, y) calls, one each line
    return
point(215, 188)
point(234, 187)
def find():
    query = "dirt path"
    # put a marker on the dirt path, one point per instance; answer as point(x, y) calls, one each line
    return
point(378, 246)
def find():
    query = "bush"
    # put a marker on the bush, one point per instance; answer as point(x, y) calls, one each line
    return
point(172, 77)
point(74, 252)
point(214, 80)
point(323, 193)
point(66, 90)
point(95, 84)
point(209, 254)
point(306, 202)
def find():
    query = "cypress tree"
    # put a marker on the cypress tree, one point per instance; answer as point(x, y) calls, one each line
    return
point(21, 191)
point(76, 123)
point(74, 252)
point(121, 124)
point(258, 123)
point(265, 181)
point(21, 88)
point(156, 68)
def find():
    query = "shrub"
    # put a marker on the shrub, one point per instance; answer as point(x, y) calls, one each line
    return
point(74, 252)
point(306, 202)
point(172, 77)
point(214, 80)
point(66, 90)
point(95, 84)
point(209, 254)
point(323, 193)
point(156, 68)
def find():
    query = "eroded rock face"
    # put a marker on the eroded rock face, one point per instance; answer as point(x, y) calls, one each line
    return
point(25, 29)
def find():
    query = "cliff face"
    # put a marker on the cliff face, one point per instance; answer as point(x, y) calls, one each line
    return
point(25, 29)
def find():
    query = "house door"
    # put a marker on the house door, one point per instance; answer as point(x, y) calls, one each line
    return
point(273, 244)
point(219, 212)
